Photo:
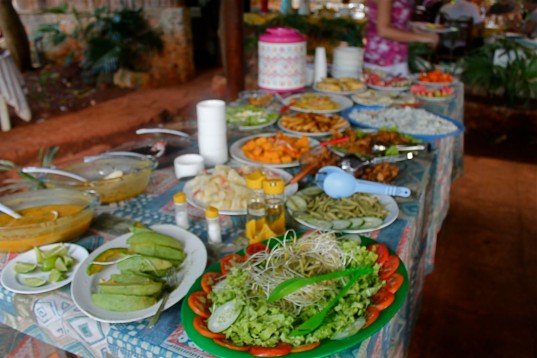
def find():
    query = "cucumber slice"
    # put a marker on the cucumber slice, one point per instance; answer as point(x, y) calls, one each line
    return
point(371, 222)
point(302, 216)
point(322, 224)
point(356, 223)
point(341, 224)
point(296, 203)
point(312, 191)
point(352, 237)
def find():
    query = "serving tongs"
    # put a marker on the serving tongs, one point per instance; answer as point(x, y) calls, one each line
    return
point(401, 148)
point(351, 162)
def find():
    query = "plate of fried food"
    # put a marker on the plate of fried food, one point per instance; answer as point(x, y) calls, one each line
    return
point(317, 103)
point(368, 143)
point(312, 124)
point(342, 86)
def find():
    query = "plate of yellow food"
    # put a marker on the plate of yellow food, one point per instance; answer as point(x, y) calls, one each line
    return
point(313, 124)
point(318, 103)
point(341, 86)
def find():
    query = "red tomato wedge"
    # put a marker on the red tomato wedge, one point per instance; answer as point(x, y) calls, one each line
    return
point(209, 279)
point(254, 248)
point(229, 261)
point(199, 303)
point(230, 345)
point(371, 316)
point(389, 267)
point(305, 347)
point(201, 326)
point(383, 299)
point(394, 282)
point(381, 250)
point(280, 350)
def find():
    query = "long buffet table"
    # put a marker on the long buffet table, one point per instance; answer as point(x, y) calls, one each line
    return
point(53, 317)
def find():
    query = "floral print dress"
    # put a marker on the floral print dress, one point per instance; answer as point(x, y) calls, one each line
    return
point(383, 55)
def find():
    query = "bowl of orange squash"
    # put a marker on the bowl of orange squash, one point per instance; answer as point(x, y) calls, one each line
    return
point(277, 150)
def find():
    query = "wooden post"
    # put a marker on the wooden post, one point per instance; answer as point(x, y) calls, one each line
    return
point(232, 17)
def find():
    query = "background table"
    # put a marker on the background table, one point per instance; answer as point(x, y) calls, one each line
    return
point(53, 317)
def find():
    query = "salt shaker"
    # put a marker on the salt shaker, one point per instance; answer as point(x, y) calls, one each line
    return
point(180, 208)
point(214, 232)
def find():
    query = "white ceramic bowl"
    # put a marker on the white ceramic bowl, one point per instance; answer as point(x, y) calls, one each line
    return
point(188, 165)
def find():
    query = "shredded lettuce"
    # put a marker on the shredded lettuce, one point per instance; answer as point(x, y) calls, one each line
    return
point(264, 324)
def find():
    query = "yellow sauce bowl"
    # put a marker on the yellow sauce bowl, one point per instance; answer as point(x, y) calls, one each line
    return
point(47, 229)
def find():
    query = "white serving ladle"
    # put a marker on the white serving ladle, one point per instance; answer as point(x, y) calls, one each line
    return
point(162, 131)
point(39, 170)
point(9, 211)
point(337, 183)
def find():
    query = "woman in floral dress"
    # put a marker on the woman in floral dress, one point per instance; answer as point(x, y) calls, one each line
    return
point(388, 35)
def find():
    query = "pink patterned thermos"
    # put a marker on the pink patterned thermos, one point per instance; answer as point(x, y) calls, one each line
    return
point(282, 60)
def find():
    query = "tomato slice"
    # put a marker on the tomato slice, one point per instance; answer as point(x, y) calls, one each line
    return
point(383, 299)
point(381, 250)
point(371, 316)
point(201, 326)
point(389, 267)
point(209, 279)
point(280, 350)
point(254, 248)
point(305, 347)
point(394, 282)
point(199, 303)
point(229, 344)
point(229, 261)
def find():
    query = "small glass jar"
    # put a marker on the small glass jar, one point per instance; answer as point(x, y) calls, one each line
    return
point(274, 201)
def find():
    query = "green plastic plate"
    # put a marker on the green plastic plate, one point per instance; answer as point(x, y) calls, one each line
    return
point(326, 348)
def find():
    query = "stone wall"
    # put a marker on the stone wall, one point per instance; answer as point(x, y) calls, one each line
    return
point(175, 64)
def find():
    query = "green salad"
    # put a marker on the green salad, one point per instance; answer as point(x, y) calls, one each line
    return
point(255, 322)
point(248, 115)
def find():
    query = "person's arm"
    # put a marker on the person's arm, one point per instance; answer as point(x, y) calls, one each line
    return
point(385, 29)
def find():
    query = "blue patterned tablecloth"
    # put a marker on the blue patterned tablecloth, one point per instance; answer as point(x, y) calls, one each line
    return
point(54, 318)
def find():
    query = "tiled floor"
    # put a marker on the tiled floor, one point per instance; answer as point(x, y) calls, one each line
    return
point(480, 301)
